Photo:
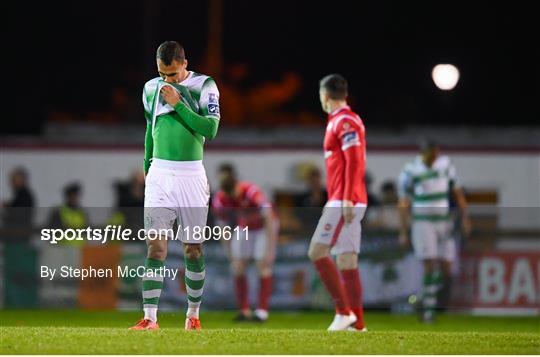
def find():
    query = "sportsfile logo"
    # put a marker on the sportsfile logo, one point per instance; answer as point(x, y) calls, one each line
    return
point(111, 233)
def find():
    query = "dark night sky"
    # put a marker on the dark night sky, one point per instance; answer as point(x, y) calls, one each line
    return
point(69, 56)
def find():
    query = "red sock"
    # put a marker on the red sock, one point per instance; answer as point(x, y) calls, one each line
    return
point(353, 286)
point(329, 274)
point(265, 292)
point(242, 292)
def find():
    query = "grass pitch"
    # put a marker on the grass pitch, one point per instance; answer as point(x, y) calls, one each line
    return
point(76, 332)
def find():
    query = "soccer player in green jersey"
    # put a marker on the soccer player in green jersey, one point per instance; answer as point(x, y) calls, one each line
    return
point(425, 187)
point(182, 110)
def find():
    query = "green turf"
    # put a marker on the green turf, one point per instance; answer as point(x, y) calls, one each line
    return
point(74, 332)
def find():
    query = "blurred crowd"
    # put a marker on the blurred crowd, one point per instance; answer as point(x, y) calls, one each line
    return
point(18, 212)
point(298, 213)
point(296, 209)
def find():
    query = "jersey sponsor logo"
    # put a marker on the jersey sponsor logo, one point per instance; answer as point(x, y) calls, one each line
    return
point(212, 98)
point(213, 109)
point(350, 138)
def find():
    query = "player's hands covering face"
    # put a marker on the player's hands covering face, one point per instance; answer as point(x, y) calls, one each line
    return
point(170, 95)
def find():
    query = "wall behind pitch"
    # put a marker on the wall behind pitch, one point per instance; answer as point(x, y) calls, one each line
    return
point(514, 175)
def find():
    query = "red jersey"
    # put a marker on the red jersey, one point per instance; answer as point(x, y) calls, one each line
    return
point(345, 156)
point(245, 209)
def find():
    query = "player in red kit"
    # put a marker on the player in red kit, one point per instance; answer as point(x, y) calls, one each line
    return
point(338, 231)
point(244, 204)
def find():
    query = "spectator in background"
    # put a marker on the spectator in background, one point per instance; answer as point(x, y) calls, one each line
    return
point(316, 195)
point(19, 212)
point(311, 201)
point(129, 202)
point(372, 198)
point(389, 195)
point(70, 214)
point(386, 216)
point(22, 195)
point(372, 210)
point(20, 257)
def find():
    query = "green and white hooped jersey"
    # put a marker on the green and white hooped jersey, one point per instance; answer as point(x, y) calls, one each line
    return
point(428, 187)
point(171, 137)
point(199, 93)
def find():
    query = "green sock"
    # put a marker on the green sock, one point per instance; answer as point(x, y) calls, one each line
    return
point(194, 285)
point(152, 285)
point(429, 299)
point(437, 279)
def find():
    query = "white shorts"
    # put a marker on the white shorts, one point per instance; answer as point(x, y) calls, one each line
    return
point(433, 240)
point(254, 247)
point(333, 231)
point(176, 191)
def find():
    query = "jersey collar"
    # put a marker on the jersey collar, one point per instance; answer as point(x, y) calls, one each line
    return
point(190, 73)
point(345, 107)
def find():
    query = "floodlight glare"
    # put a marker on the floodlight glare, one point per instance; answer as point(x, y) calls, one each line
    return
point(445, 76)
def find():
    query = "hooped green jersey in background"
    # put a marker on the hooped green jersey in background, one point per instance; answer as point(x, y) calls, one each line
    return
point(429, 188)
point(178, 133)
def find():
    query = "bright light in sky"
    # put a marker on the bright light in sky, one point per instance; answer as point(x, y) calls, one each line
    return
point(445, 76)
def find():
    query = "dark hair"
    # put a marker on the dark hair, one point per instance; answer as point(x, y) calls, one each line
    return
point(21, 171)
point(314, 172)
point(428, 144)
point(170, 51)
point(335, 85)
point(388, 186)
point(72, 188)
point(227, 168)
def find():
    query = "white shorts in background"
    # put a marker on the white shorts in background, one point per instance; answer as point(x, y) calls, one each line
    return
point(176, 191)
point(433, 240)
point(252, 248)
point(333, 231)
